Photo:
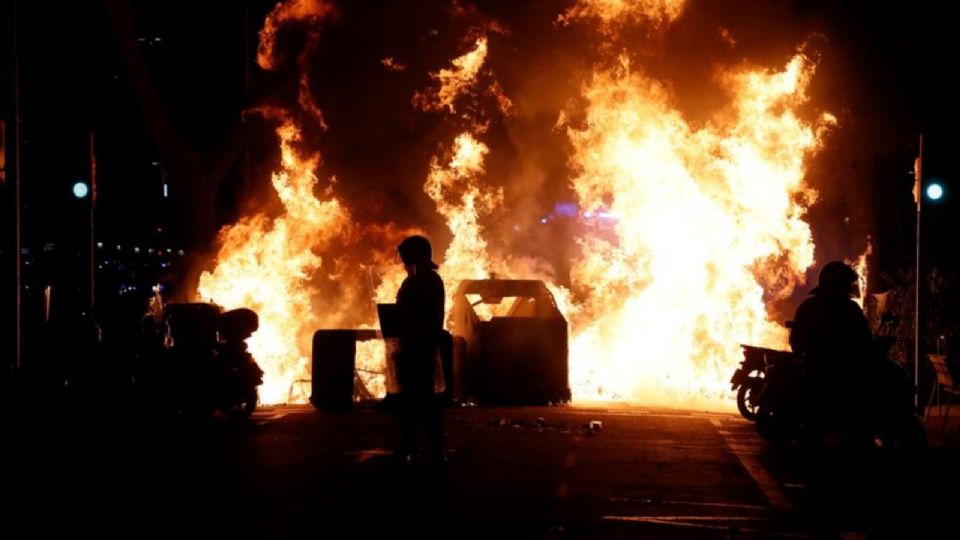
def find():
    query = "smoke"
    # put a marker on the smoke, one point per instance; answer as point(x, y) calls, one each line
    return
point(311, 12)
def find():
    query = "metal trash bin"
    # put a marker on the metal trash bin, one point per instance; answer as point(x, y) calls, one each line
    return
point(511, 343)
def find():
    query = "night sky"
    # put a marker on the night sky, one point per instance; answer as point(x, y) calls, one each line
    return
point(163, 84)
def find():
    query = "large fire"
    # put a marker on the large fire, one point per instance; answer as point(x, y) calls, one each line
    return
point(264, 263)
point(705, 223)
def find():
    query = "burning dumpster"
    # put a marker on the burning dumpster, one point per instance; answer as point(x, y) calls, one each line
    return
point(510, 343)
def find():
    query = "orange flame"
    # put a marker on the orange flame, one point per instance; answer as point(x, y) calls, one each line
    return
point(454, 182)
point(291, 10)
point(611, 12)
point(862, 272)
point(307, 103)
point(263, 264)
point(707, 219)
point(705, 223)
point(454, 81)
point(393, 65)
point(453, 187)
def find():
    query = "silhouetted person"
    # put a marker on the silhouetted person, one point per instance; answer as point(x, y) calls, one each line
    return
point(420, 303)
point(832, 335)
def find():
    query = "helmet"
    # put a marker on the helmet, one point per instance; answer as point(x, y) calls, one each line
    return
point(416, 250)
point(836, 277)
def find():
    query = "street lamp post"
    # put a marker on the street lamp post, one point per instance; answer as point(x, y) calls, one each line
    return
point(93, 205)
point(918, 198)
point(934, 191)
point(82, 190)
point(18, 275)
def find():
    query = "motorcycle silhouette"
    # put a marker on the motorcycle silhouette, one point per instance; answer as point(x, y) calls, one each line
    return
point(749, 380)
point(196, 361)
point(774, 392)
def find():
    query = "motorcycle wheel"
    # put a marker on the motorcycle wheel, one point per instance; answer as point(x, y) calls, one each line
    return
point(242, 408)
point(747, 396)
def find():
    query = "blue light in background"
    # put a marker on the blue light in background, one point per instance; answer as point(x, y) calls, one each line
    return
point(565, 209)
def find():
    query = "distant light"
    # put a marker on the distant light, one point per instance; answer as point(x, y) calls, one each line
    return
point(543, 220)
point(566, 209)
point(99, 244)
point(118, 247)
point(180, 252)
point(80, 190)
point(166, 191)
point(136, 250)
point(934, 191)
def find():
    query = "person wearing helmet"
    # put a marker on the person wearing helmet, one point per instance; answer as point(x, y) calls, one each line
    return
point(420, 303)
point(833, 338)
point(829, 327)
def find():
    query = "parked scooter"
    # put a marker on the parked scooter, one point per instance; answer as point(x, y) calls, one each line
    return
point(774, 391)
point(196, 361)
point(237, 373)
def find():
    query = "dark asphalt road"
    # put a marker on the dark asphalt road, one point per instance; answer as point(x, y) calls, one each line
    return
point(513, 473)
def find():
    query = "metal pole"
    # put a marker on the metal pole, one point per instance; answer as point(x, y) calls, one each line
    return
point(93, 204)
point(916, 307)
point(16, 185)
